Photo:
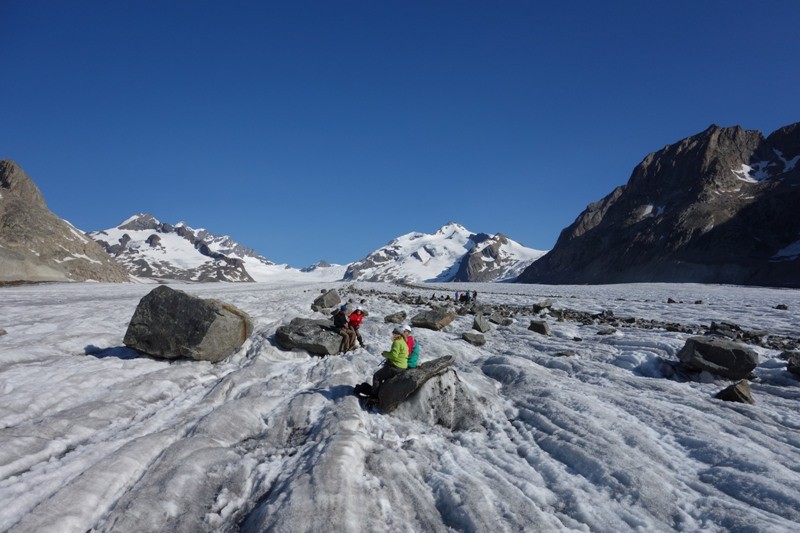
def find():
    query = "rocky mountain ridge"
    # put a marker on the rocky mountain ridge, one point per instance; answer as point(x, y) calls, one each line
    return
point(716, 207)
point(36, 245)
point(452, 253)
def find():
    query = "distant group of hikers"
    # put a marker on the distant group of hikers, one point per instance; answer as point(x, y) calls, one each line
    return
point(403, 354)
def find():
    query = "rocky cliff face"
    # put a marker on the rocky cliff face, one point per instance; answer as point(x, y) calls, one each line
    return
point(36, 245)
point(718, 207)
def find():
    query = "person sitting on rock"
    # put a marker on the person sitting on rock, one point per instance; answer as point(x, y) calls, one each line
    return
point(396, 360)
point(356, 317)
point(340, 326)
point(413, 347)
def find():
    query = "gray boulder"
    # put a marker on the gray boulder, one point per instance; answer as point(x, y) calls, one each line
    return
point(540, 326)
point(313, 336)
point(328, 300)
point(738, 392)
point(435, 319)
point(171, 324)
point(541, 306)
point(501, 320)
point(481, 324)
point(476, 339)
point(396, 318)
point(2, 332)
point(793, 362)
point(395, 390)
point(718, 356)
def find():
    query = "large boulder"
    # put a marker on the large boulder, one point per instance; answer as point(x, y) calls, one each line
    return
point(314, 336)
point(481, 324)
point(435, 319)
point(792, 362)
point(718, 356)
point(327, 300)
point(395, 390)
point(2, 332)
point(396, 318)
point(171, 324)
point(540, 326)
point(475, 339)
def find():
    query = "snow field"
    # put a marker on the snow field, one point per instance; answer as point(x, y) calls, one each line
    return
point(274, 440)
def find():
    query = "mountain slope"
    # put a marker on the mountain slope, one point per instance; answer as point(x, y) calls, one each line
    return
point(37, 245)
point(452, 253)
point(717, 207)
point(153, 249)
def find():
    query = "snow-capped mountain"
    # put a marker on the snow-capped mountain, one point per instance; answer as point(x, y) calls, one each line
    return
point(153, 249)
point(453, 253)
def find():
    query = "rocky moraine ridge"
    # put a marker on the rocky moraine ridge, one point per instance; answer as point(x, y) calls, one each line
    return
point(717, 207)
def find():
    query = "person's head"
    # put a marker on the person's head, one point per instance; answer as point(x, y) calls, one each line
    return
point(397, 332)
point(358, 310)
point(406, 330)
point(343, 308)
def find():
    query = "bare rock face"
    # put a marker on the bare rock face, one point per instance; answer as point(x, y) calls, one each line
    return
point(718, 356)
point(37, 245)
point(327, 300)
point(313, 336)
point(717, 207)
point(171, 324)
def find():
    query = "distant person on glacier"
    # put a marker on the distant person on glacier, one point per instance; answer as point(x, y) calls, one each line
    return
point(356, 318)
point(342, 327)
point(413, 347)
point(396, 360)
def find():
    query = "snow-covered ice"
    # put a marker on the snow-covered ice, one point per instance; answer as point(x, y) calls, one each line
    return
point(94, 437)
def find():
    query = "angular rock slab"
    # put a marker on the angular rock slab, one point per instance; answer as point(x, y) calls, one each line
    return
point(313, 336)
point(738, 392)
point(395, 390)
point(396, 318)
point(792, 362)
point(475, 339)
point(435, 319)
point(719, 356)
point(481, 324)
point(327, 300)
point(540, 326)
point(171, 324)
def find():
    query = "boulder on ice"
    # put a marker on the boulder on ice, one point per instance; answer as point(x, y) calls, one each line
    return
point(718, 356)
point(172, 324)
point(314, 336)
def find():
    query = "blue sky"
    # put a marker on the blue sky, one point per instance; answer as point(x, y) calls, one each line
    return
point(321, 130)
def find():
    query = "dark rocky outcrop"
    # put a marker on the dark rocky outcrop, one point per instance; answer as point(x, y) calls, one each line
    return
point(171, 324)
point(36, 245)
point(792, 362)
point(435, 319)
point(718, 356)
point(738, 392)
point(395, 390)
point(717, 207)
point(475, 339)
point(314, 336)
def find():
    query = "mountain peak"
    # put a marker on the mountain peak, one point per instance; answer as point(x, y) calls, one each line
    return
point(140, 221)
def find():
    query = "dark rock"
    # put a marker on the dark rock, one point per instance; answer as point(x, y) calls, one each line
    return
point(396, 318)
point(435, 319)
point(718, 356)
point(153, 240)
point(725, 329)
point(476, 339)
point(314, 336)
point(172, 324)
point(540, 326)
point(793, 361)
point(395, 390)
point(327, 300)
point(607, 331)
point(671, 301)
point(738, 392)
point(500, 320)
point(698, 302)
point(542, 306)
point(481, 324)
point(782, 307)
point(565, 353)
point(2, 332)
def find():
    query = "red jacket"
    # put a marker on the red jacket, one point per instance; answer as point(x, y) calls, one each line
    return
point(355, 319)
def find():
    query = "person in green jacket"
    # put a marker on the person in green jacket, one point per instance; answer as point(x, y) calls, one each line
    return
point(396, 360)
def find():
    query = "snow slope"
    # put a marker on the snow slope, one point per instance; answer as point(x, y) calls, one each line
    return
point(437, 257)
point(93, 437)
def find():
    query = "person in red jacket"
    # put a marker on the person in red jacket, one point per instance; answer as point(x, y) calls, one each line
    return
point(356, 318)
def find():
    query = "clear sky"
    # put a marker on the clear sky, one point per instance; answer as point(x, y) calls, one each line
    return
point(322, 130)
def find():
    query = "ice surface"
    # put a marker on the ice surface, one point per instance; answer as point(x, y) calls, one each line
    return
point(92, 436)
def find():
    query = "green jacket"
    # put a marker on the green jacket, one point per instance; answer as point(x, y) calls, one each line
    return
point(398, 354)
